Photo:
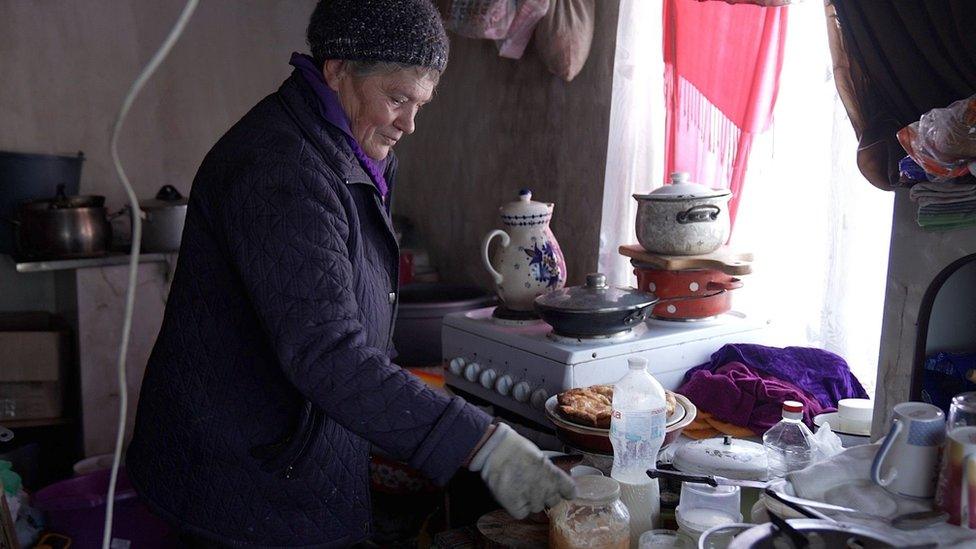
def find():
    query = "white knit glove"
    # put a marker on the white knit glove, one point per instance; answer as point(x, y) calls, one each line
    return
point(520, 477)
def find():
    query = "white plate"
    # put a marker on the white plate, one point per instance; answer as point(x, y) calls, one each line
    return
point(552, 404)
point(834, 419)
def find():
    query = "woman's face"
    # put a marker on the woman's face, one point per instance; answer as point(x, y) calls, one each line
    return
point(381, 108)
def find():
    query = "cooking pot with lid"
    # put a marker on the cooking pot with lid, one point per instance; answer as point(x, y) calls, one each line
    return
point(63, 227)
point(162, 220)
point(593, 310)
point(683, 218)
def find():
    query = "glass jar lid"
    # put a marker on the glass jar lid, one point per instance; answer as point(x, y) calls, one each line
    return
point(592, 489)
point(595, 296)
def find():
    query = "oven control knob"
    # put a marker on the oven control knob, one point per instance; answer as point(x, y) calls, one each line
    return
point(487, 378)
point(538, 399)
point(504, 385)
point(456, 366)
point(471, 372)
point(521, 391)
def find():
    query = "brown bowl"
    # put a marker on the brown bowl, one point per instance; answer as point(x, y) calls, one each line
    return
point(596, 440)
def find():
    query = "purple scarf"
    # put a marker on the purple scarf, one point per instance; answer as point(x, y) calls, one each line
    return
point(333, 114)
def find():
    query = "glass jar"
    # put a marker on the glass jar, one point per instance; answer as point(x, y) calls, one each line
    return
point(596, 518)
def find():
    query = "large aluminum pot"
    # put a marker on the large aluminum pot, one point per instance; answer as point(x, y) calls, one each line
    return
point(162, 220)
point(815, 532)
point(64, 227)
point(683, 218)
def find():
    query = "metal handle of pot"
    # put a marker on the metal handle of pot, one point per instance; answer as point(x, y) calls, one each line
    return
point(730, 284)
point(702, 213)
point(506, 240)
point(689, 297)
point(683, 477)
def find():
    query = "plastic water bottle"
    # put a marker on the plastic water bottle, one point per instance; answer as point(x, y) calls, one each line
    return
point(637, 428)
point(789, 443)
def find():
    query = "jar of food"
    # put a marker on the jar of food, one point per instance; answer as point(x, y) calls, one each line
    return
point(596, 518)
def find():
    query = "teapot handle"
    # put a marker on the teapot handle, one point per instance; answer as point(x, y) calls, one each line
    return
point(506, 240)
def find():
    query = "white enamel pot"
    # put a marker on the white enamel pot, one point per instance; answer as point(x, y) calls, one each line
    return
point(683, 218)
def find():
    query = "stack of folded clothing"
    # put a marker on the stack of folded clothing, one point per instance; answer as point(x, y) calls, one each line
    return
point(946, 205)
point(741, 390)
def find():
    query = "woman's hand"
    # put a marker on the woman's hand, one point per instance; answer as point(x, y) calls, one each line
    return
point(520, 477)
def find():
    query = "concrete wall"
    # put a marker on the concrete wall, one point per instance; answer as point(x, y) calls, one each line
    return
point(499, 125)
point(64, 69)
point(916, 257)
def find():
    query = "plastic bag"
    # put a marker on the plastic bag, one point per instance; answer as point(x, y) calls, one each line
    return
point(943, 141)
point(564, 36)
point(528, 16)
point(489, 19)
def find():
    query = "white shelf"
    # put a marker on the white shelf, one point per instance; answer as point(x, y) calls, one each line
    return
point(89, 262)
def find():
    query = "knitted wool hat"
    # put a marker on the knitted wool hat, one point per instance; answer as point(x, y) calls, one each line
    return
point(398, 31)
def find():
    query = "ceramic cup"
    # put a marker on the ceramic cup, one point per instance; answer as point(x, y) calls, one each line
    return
point(957, 481)
point(908, 460)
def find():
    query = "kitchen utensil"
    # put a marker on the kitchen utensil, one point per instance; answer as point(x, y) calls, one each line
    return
point(722, 498)
point(724, 259)
point(723, 456)
point(593, 310)
point(855, 415)
point(529, 261)
point(905, 521)
point(962, 411)
point(957, 479)
point(585, 470)
point(695, 522)
point(163, 218)
point(907, 462)
point(847, 439)
point(826, 533)
point(664, 539)
point(63, 227)
point(683, 218)
point(421, 310)
point(593, 439)
point(704, 293)
point(709, 480)
point(24, 177)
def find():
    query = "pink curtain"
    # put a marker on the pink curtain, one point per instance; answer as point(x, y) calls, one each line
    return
point(722, 65)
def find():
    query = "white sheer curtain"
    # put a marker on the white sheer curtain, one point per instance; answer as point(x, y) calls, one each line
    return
point(819, 231)
point(635, 154)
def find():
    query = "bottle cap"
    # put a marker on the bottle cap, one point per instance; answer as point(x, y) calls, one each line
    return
point(793, 409)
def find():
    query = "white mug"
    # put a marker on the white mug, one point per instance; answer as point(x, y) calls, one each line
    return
point(907, 464)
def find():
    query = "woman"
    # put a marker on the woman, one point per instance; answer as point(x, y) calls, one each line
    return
point(271, 376)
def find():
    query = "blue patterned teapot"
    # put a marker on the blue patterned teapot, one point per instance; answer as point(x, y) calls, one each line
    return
point(529, 262)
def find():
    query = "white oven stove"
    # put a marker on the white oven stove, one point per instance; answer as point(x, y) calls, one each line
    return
point(517, 365)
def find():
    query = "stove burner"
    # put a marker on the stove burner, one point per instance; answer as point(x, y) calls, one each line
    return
point(507, 317)
point(583, 340)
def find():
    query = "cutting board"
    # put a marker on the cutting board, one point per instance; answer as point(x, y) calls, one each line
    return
point(723, 259)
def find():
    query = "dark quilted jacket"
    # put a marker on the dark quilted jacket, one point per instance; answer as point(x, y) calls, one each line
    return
point(270, 378)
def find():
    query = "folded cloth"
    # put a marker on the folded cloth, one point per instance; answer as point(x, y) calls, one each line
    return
point(931, 192)
point(845, 479)
point(736, 394)
point(705, 425)
point(820, 373)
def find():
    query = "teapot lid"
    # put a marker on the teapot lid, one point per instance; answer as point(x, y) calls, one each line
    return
point(168, 196)
point(682, 189)
point(525, 211)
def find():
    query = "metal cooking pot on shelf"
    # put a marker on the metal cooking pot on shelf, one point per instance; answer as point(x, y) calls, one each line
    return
point(683, 218)
point(63, 227)
point(163, 218)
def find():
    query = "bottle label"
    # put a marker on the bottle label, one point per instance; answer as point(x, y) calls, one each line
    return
point(638, 427)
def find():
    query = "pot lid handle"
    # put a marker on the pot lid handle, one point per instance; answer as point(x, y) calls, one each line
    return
point(169, 194)
point(596, 281)
point(680, 177)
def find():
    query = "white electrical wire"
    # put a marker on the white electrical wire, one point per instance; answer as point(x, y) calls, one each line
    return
point(130, 294)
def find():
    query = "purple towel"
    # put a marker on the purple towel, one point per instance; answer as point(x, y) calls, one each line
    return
point(739, 395)
point(746, 384)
